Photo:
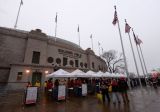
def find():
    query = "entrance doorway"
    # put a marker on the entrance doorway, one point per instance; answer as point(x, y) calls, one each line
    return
point(36, 76)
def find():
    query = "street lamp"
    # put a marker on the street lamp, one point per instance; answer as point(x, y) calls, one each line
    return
point(46, 72)
point(27, 72)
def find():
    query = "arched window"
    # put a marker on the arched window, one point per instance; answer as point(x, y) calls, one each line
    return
point(81, 64)
point(50, 60)
point(71, 63)
point(93, 65)
point(58, 61)
point(85, 65)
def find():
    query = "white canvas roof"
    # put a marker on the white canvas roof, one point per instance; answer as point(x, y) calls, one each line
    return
point(98, 74)
point(59, 73)
point(78, 73)
point(107, 74)
point(90, 72)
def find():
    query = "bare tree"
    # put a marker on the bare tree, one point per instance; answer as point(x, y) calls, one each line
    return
point(114, 60)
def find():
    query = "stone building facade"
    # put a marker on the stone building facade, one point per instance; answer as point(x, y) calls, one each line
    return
point(29, 56)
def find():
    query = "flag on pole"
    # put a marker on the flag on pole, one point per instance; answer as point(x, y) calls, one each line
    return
point(56, 18)
point(99, 44)
point(91, 36)
point(139, 41)
point(21, 2)
point(102, 50)
point(127, 28)
point(135, 38)
point(78, 29)
point(115, 19)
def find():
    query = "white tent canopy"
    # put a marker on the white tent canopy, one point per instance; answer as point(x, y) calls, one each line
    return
point(113, 75)
point(59, 73)
point(98, 74)
point(107, 74)
point(117, 75)
point(123, 75)
point(90, 72)
point(78, 73)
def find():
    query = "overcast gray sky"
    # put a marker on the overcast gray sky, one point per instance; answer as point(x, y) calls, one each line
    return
point(94, 17)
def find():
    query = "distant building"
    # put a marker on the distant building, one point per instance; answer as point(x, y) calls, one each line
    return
point(29, 56)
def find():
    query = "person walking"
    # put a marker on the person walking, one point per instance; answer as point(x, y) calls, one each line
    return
point(104, 89)
point(45, 86)
point(29, 84)
point(115, 94)
point(37, 84)
point(123, 87)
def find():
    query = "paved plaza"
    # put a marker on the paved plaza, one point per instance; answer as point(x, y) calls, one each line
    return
point(141, 100)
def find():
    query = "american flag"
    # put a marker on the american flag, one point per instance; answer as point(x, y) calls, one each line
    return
point(127, 28)
point(91, 36)
point(136, 39)
point(115, 19)
point(99, 44)
point(139, 41)
point(21, 2)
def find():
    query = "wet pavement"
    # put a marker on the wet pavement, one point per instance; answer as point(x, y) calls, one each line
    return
point(141, 100)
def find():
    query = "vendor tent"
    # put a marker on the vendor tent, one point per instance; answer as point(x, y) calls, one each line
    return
point(78, 73)
point(59, 73)
point(98, 74)
point(107, 74)
point(122, 75)
point(117, 75)
point(90, 72)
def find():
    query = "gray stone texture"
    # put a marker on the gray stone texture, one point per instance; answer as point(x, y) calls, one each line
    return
point(16, 51)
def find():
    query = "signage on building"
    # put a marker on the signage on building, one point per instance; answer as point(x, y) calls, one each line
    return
point(69, 53)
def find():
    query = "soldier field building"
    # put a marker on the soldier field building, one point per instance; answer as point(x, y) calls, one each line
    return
point(30, 56)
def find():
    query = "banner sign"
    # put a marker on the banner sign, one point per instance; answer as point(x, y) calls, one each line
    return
point(70, 54)
point(61, 92)
point(84, 89)
point(31, 95)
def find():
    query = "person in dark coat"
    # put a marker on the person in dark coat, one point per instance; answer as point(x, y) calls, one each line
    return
point(104, 89)
point(123, 87)
point(115, 93)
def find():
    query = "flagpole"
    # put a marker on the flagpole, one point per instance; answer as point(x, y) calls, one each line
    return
point(140, 59)
point(134, 56)
point(91, 41)
point(56, 25)
point(78, 35)
point(56, 30)
point(21, 3)
point(102, 50)
point(99, 48)
point(123, 52)
point(143, 60)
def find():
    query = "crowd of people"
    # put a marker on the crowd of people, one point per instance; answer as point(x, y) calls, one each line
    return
point(110, 89)
point(114, 89)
